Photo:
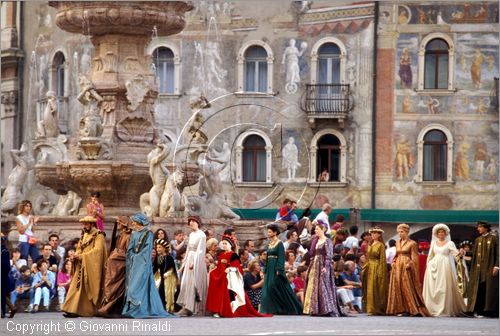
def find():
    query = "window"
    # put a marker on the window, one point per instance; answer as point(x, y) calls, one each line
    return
point(256, 69)
point(163, 59)
point(435, 156)
point(254, 159)
point(329, 64)
point(329, 157)
point(436, 64)
point(59, 74)
point(435, 150)
point(328, 151)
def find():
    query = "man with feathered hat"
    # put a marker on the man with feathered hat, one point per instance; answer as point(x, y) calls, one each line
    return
point(84, 294)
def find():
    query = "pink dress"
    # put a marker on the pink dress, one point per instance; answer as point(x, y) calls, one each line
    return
point(98, 215)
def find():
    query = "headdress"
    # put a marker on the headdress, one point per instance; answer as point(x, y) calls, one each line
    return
point(197, 219)
point(376, 229)
point(440, 226)
point(484, 224)
point(464, 243)
point(403, 226)
point(140, 218)
point(124, 220)
point(88, 219)
point(229, 239)
point(163, 243)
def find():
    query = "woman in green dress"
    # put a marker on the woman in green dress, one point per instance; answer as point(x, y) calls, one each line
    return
point(374, 275)
point(277, 295)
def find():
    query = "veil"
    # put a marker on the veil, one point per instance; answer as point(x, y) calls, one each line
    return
point(435, 229)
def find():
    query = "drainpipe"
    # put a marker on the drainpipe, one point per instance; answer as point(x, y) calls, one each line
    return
point(374, 105)
point(20, 78)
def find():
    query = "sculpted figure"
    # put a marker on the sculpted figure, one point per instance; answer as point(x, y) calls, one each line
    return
point(150, 202)
point(290, 158)
point(91, 122)
point(13, 192)
point(48, 127)
point(172, 199)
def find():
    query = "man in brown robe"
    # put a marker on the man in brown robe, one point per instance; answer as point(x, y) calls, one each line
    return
point(114, 280)
point(482, 295)
point(85, 293)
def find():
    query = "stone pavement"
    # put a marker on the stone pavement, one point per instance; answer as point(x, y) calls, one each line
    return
point(55, 324)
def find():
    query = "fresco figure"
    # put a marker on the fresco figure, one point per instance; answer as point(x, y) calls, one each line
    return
point(475, 68)
point(403, 157)
point(480, 158)
point(462, 161)
point(405, 73)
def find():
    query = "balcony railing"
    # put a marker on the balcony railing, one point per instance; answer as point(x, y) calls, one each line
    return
point(327, 99)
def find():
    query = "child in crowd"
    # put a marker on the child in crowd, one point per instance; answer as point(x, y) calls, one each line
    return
point(63, 281)
point(23, 286)
point(43, 285)
point(300, 282)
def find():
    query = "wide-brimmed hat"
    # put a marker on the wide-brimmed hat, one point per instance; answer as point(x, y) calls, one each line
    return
point(438, 227)
point(124, 220)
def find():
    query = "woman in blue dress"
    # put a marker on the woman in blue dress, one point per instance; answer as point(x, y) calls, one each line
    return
point(142, 299)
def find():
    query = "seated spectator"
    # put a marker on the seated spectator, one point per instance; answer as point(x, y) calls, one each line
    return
point(57, 250)
point(291, 263)
point(340, 237)
point(16, 260)
point(49, 258)
point(344, 291)
point(70, 254)
point(250, 247)
point(43, 285)
point(262, 258)
point(23, 288)
point(243, 254)
point(351, 243)
point(285, 211)
point(254, 281)
point(360, 262)
point(63, 281)
point(350, 278)
point(300, 282)
point(291, 276)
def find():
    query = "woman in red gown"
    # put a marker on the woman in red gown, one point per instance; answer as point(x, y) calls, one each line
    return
point(226, 294)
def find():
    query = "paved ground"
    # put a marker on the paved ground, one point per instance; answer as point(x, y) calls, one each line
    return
point(55, 324)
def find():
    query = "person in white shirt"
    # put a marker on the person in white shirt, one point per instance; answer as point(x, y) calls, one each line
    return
point(351, 244)
point(323, 216)
point(390, 252)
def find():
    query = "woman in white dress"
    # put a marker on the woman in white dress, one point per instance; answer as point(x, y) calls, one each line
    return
point(440, 292)
point(193, 292)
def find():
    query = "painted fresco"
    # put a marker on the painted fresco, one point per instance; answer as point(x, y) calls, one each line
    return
point(407, 61)
point(466, 13)
point(459, 105)
point(477, 61)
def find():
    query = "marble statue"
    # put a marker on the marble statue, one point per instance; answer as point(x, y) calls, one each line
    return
point(150, 201)
point(91, 122)
point(48, 127)
point(67, 205)
point(13, 193)
point(172, 201)
point(195, 135)
point(290, 158)
point(223, 156)
point(291, 61)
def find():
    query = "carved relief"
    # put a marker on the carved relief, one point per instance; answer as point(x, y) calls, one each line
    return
point(136, 129)
point(132, 64)
point(108, 106)
point(111, 61)
point(137, 89)
point(93, 149)
point(97, 65)
point(9, 102)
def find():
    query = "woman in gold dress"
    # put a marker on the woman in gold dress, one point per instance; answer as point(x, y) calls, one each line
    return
point(374, 276)
point(405, 290)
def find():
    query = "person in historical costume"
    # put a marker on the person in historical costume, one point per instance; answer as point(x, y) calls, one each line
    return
point(277, 295)
point(423, 252)
point(226, 294)
point(440, 291)
point(482, 293)
point(321, 294)
point(193, 292)
point(405, 69)
point(114, 279)
point(464, 266)
point(85, 291)
point(96, 210)
point(374, 275)
point(404, 296)
point(141, 295)
point(165, 274)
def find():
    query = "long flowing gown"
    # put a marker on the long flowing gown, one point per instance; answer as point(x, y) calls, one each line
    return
point(164, 267)
point(321, 293)
point(85, 292)
point(277, 295)
point(114, 279)
point(141, 297)
point(193, 292)
point(404, 287)
point(226, 294)
point(441, 295)
point(374, 280)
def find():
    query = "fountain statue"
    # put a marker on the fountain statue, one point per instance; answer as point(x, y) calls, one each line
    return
point(117, 130)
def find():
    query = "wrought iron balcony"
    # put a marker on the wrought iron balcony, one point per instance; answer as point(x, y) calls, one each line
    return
point(327, 101)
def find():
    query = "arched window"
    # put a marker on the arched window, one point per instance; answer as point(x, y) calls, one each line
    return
point(435, 153)
point(163, 59)
point(436, 64)
point(435, 156)
point(256, 69)
point(59, 66)
point(329, 157)
point(254, 159)
point(329, 64)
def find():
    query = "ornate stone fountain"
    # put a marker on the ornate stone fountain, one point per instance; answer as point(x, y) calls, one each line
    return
point(117, 128)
